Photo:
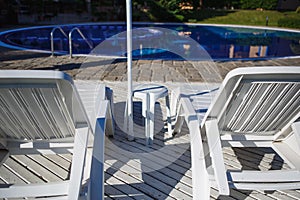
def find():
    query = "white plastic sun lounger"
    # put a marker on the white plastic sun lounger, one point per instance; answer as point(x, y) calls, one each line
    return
point(254, 107)
point(41, 112)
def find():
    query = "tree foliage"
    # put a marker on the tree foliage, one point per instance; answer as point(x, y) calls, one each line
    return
point(253, 4)
point(173, 5)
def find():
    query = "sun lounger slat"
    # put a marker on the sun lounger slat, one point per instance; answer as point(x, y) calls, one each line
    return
point(28, 111)
point(253, 112)
point(39, 169)
point(63, 163)
point(23, 171)
point(54, 168)
point(9, 176)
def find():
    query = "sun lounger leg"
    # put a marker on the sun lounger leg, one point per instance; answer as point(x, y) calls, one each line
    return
point(201, 185)
point(214, 143)
point(96, 186)
point(80, 148)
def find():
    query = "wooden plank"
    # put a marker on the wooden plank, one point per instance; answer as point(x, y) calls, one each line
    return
point(67, 157)
point(267, 152)
point(179, 146)
point(7, 176)
point(133, 181)
point(53, 167)
point(250, 160)
point(137, 165)
point(163, 177)
point(40, 168)
point(180, 153)
point(116, 188)
point(167, 153)
point(242, 163)
point(258, 195)
point(152, 181)
point(63, 163)
point(232, 164)
point(281, 196)
point(294, 194)
point(113, 193)
point(157, 161)
point(23, 172)
point(185, 138)
point(240, 195)
point(264, 159)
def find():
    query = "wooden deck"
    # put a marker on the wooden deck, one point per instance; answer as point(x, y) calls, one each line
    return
point(136, 171)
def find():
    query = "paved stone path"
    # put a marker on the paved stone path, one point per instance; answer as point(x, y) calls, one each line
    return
point(142, 70)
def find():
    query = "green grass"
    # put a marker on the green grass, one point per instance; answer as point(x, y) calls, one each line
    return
point(158, 13)
point(250, 17)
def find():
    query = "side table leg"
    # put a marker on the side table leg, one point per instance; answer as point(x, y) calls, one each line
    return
point(169, 116)
point(147, 119)
point(128, 124)
point(151, 122)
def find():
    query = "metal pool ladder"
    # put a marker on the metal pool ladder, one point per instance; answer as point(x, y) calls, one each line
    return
point(69, 38)
point(52, 37)
point(83, 37)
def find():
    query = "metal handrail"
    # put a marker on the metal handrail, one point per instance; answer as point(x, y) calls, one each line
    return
point(83, 37)
point(52, 39)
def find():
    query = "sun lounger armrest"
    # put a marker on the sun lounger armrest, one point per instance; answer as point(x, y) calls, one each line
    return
point(103, 110)
point(214, 143)
point(201, 185)
point(96, 184)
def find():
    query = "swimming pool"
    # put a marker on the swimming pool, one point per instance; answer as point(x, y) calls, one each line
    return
point(221, 42)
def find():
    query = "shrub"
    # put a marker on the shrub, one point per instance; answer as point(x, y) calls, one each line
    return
point(179, 17)
point(289, 22)
point(265, 4)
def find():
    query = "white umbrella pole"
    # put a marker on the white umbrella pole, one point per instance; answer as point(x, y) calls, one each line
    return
point(129, 67)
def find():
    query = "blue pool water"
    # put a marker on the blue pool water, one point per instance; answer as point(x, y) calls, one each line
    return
point(151, 41)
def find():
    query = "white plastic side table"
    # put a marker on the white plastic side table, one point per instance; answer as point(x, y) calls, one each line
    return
point(149, 94)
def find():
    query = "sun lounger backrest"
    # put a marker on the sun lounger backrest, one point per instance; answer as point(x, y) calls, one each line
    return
point(34, 112)
point(260, 103)
point(262, 106)
point(37, 109)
